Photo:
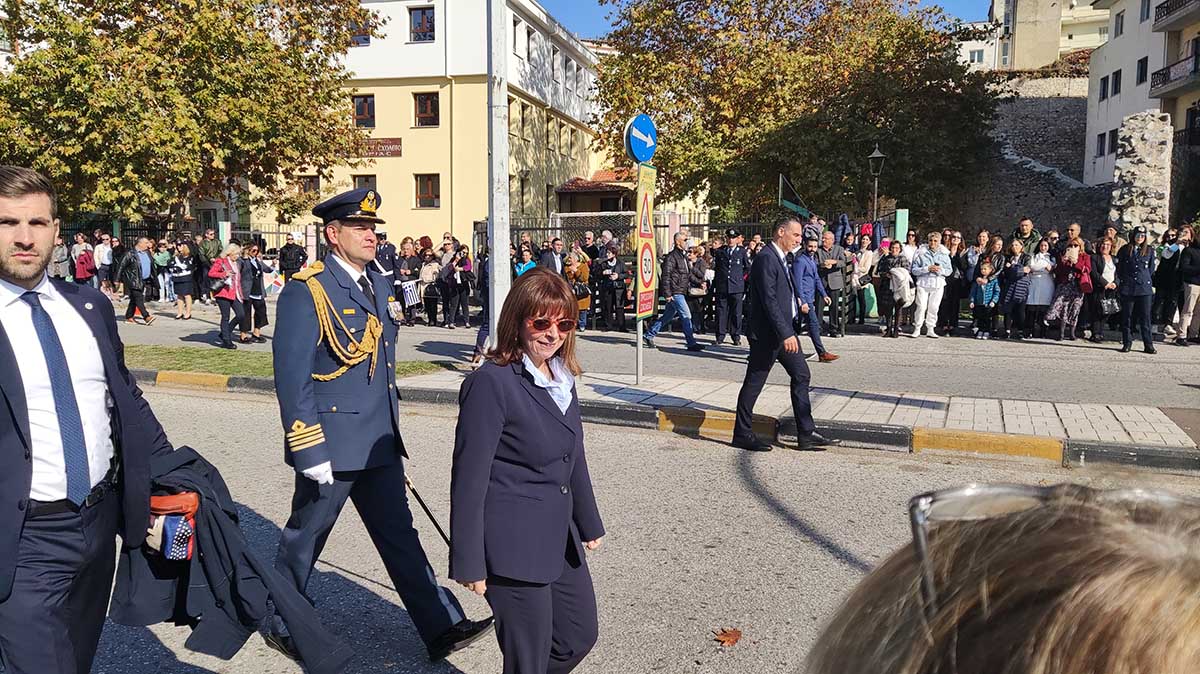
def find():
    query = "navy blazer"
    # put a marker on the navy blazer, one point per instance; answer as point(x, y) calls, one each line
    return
point(520, 492)
point(137, 435)
point(771, 299)
point(547, 260)
point(807, 279)
point(1135, 273)
point(352, 421)
point(729, 269)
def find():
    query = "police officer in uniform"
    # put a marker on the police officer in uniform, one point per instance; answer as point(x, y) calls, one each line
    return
point(334, 357)
point(731, 262)
point(386, 261)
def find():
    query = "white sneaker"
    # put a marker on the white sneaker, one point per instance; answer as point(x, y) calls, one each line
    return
point(914, 333)
point(1168, 330)
point(932, 334)
point(987, 335)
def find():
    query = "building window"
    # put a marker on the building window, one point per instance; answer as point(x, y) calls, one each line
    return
point(1103, 33)
point(360, 38)
point(429, 190)
point(1143, 69)
point(550, 199)
point(518, 37)
point(309, 184)
point(580, 81)
point(364, 111)
point(1100, 138)
point(365, 183)
point(552, 135)
point(976, 56)
point(420, 24)
point(555, 68)
point(1104, 87)
point(524, 195)
point(514, 117)
point(1116, 83)
point(1070, 36)
point(1144, 15)
point(427, 109)
point(1004, 53)
point(526, 121)
point(562, 138)
point(1112, 141)
point(1118, 25)
point(570, 74)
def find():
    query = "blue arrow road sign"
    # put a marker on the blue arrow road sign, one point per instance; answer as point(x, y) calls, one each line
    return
point(641, 139)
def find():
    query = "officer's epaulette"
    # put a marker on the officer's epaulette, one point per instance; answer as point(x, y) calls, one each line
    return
point(309, 271)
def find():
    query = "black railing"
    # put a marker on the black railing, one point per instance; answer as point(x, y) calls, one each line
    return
point(1188, 137)
point(1176, 71)
point(1170, 7)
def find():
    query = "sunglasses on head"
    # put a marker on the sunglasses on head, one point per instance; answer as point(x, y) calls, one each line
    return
point(543, 324)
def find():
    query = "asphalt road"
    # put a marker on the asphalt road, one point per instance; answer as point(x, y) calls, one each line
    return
point(1078, 371)
point(700, 537)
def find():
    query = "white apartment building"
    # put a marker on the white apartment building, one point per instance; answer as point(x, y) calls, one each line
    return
point(981, 54)
point(1119, 81)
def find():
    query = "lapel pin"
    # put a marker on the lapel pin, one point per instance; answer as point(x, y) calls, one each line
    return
point(87, 305)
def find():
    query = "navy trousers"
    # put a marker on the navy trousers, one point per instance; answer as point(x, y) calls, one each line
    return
point(762, 358)
point(51, 622)
point(814, 327)
point(545, 628)
point(379, 497)
point(729, 315)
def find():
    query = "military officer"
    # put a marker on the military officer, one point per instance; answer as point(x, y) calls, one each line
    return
point(731, 263)
point(334, 357)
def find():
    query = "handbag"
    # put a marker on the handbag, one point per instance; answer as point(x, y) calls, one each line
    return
point(697, 292)
point(1109, 305)
point(581, 290)
point(216, 285)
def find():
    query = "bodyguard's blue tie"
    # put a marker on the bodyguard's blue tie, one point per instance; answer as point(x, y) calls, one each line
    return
point(79, 479)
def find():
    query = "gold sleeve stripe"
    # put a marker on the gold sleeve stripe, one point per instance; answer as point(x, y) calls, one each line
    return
point(306, 433)
point(308, 443)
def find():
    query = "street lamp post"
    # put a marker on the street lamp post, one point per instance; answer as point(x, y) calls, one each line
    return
point(876, 159)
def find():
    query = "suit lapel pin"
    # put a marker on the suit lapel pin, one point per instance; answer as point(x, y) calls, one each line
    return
point(87, 305)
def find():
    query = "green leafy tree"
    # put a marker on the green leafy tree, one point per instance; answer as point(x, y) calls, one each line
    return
point(743, 90)
point(133, 107)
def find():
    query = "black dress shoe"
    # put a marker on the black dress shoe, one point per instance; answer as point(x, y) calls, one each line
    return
point(458, 637)
point(1150, 350)
point(815, 442)
point(751, 445)
point(1126, 348)
point(259, 339)
point(737, 341)
point(284, 644)
point(695, 347)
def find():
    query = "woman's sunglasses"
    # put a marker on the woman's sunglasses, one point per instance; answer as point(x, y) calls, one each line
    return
point(543, 324)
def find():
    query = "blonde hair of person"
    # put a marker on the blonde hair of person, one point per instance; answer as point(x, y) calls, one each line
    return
point(1072, 587)
point(232, 251)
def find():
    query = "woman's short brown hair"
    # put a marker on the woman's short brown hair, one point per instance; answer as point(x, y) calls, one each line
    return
point(536, 293)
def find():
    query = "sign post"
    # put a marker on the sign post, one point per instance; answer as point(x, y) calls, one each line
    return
point(641, 142)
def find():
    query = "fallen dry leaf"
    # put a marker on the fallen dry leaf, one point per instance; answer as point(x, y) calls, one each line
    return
point(727, 636)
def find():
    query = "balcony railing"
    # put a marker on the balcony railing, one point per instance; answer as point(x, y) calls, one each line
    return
point(1189, 137)
point(1171, 8)
point(1180, 70)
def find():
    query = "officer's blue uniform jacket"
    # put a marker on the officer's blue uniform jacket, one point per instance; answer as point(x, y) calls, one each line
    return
point(351, 420)
point(730, 266)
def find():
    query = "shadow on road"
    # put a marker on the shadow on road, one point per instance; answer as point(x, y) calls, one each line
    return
point(745, 465)
point(376, 628)
point(447, 349)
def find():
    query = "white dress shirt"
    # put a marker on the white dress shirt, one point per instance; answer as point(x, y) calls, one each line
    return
point(87, 377)
point(561, 388)
point(788, 270)
point(351, 271)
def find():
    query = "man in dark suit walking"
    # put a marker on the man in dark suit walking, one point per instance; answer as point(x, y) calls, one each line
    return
point(553, 258)
point(76, 442)
point(774, 311)
point(731, 262)
point(335, 376)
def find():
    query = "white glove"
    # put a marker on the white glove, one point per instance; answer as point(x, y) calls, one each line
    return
point(321, 474)
point(154, 534)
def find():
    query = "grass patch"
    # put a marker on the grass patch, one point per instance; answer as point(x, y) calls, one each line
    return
point(232, 363)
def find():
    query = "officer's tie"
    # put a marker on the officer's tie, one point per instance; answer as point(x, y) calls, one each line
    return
point(366, 288)
point(79, 480)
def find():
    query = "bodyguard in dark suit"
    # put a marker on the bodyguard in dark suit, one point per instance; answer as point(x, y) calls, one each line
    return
point(553, 259)
point(76, 441)
point(335, 375)
point(774, 311)
point(522, 509)
point(731, 262)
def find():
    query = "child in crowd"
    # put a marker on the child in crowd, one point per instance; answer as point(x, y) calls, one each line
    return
point(983, 300)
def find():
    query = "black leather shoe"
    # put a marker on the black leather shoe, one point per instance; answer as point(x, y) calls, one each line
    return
point(1150, 350)
point(751, 445)
point(695, 347)
point(1126, 348)
point(458, 637)
point(815, 442)
point(283, 644)
point(737, 341)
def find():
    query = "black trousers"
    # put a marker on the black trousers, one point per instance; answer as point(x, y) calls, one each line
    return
point(1137, 310)
point(137, 300)
point(612, 307)
point(461, 300)
point(203, 290)
point(763, 357)
point(51, 622)
point(254, 314)
point(431, 304)
point(729, 315)
point(835, 313)
point(228, 306)
point(379, 496)
point(545, 627)
point(985, 318)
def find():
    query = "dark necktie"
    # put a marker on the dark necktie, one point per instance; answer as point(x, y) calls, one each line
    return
point(366, 287)
point(70, 427)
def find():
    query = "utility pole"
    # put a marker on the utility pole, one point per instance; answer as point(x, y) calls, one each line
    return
point(499, 278)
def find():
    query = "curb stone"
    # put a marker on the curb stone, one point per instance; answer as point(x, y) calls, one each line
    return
point(707, 423)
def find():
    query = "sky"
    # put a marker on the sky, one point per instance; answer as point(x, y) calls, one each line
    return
point(586, 18)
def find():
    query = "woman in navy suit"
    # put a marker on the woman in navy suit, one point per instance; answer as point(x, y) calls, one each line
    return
point(522, 510)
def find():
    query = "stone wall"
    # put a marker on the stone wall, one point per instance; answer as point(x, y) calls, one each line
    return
point(1141, 189)
point(1036, 166)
